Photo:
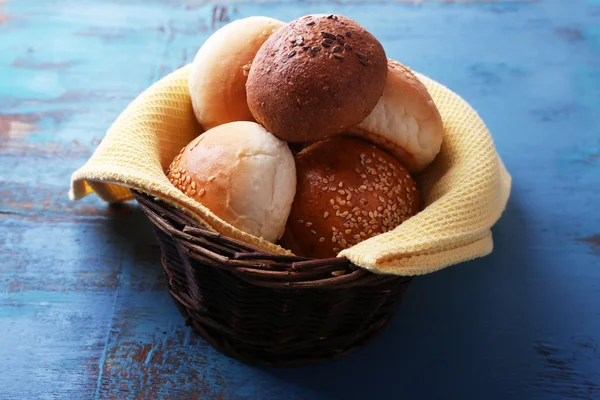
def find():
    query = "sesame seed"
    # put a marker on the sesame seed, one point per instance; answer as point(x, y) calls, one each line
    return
point(325, 181)
point(341, 192)
point(414, 189)
point(341, 184)
point(192, 192)
point(345, 213)
point(300, 221)
point(331, 178)
point(338, 56)
point(313, 232)
point(321, 239)
point(357, 170)
point(335, 249)
point(310, 23)
point(201, 192)
point(336, 207)
point(308, 224)
point(348, 231)
point(343, 203)
point(381, 199)
point(211, 178)
point(331, 202)
point(334, 239)
point(291, 53)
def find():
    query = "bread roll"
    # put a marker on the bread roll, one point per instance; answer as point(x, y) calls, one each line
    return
point(348, 190)
point(316, 77)
point(217, 80)
point(242, 173)
point(405, 121)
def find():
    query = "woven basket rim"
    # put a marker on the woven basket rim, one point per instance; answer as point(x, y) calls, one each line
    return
point(251, 264)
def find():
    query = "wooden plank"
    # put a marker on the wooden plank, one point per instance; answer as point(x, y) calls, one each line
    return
point(83, 308)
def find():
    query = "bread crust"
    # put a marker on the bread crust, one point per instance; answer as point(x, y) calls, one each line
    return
point(348, 190)
point(406, 122)
point(217, 80)
point(316, 77)
point(242, 173)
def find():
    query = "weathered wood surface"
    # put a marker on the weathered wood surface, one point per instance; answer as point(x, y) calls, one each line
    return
point(83, 308)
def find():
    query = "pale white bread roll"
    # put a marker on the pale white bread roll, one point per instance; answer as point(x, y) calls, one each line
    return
point(217, 80)
point(405, 121)
point(243, 174)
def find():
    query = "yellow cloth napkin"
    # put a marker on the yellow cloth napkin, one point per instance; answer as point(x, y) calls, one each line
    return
point(465, 190)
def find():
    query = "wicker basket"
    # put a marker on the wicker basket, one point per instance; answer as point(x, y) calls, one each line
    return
point(267, 309)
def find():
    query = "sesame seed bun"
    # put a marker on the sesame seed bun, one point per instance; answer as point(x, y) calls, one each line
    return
point(405, 121)
point(217, 80)
point(242, 173)
point(316, 77)
point(348, 191)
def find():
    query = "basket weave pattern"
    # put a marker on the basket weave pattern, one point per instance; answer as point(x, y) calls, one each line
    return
point(269, 309)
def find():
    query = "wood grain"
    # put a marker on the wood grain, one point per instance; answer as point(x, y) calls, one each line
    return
point(83, 308)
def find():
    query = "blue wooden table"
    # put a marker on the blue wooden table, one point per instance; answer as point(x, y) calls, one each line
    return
point(84, 312)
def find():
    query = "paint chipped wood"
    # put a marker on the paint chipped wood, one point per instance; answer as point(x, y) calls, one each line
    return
point(84, 311)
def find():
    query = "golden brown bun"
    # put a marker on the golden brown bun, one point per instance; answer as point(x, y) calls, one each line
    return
point(348, 190)
point(217, 80)
point(406, 121)
point(316, 77)
point(242, 173)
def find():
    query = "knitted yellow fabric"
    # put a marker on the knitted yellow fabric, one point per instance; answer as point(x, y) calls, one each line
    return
point(465, 190)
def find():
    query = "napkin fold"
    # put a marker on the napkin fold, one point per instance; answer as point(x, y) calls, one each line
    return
point(465, 189)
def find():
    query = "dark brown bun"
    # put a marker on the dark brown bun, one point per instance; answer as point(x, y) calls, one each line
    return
point(347, 191)
point(316, 77)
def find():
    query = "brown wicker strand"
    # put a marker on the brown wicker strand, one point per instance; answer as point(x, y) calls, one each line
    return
point(268, 309)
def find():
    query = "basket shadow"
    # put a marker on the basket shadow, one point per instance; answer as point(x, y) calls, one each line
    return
point(132, 235)
point(453, 326)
